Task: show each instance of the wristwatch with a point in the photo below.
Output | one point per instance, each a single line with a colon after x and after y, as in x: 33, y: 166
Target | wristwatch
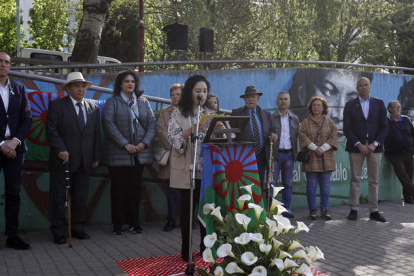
x: 376, y: 143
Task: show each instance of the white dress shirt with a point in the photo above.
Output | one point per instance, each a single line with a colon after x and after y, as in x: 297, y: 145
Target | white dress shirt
x: 285, y: 143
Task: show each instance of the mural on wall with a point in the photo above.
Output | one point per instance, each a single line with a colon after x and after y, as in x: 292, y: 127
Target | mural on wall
x: 337, y: 86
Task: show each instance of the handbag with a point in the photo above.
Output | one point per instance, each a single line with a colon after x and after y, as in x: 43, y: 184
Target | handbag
x: 161, y: 155
x: 304, y: 155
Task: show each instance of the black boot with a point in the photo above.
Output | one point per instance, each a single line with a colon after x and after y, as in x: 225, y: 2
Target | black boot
x: 170, y: 225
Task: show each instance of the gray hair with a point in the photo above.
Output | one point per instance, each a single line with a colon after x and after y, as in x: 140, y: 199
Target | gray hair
x: 390, y: 104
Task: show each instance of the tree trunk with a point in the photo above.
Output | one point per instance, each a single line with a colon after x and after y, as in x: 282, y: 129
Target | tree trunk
x: 90, y: 30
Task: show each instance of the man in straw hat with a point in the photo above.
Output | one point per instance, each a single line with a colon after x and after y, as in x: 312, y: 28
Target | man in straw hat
x: 73, y: 131
x: 15, y: 123
x: 257, y: 131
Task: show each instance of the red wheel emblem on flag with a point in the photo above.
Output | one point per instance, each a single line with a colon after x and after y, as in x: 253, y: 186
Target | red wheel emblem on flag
x: 39, y: 104
x: 234, y: 167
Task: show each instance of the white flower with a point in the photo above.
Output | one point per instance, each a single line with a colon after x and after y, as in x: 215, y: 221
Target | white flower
x: 276, y: 244
x: 304, y: 270
x: 284, y: 254
x: 283, y: 222
x: 301, y: 254
x: 248, y: 188
x: 233, y: 268
x: 242, y: 200
x: 301, y: 226
x: 275, y: 203
x: 277, y: 262
x: 257, y: 210
x: 208, y: 256
x: 294, y: 245
x: 290, y: 263
x: 266, y: 248
x: 257, y: 237
x: 314, y: 253
x: 259, y: 271
x: 217, y: 214
x: 276, y: 190
x: 281, y: 209
x: 218, y: 271
x: 272, y: 227
x: 248, y: 258
x: 225, y: 250
x: 207, y: 208
x: 243, y: 238
x: 243, y: 220
x: 210, y: 240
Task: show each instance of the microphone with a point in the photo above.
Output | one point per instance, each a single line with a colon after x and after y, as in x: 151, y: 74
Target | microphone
x: 199, y: 96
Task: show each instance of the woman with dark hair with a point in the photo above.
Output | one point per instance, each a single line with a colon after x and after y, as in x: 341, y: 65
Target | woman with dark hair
x: 181, y: 124
x: 318, y: 134
x: 213, y: 102
x: 129, y: 127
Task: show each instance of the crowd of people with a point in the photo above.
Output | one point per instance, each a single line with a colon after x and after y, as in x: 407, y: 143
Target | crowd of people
x: 129, y: 127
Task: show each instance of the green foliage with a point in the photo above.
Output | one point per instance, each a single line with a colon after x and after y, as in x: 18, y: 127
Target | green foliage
x: 49, y: 24
x: 8, y: 32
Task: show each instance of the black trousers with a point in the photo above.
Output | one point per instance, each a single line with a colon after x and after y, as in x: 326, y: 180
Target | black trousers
x: 79, y: 187
x: 261, y: 165
x: 126, y: 194
x: 403, y: 167
x: 13, y: 171
x: 185, y: 218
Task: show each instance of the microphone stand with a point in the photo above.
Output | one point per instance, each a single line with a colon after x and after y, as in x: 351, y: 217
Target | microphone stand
x: 191, y: 267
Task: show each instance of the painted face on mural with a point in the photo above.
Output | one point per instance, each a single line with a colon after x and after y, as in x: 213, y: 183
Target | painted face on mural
x: 337, y: 87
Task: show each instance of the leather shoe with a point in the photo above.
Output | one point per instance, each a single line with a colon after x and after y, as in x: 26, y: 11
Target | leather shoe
x: 408, y: 198
x: 377, y: 216
x: 170, y: 225
x: 353, y: 215
x: 81, y: 235
x: 17, y: 243
x: 288, y: 215
x: 59, y: 239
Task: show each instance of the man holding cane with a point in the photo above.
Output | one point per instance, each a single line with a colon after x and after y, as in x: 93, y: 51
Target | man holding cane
x: 73, y: 131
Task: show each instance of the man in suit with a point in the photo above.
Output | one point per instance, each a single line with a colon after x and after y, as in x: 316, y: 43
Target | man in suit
x: 164, y: 171
x: 15, y: 123
x: 365, y: 127
x: 73, y: 131
x: 258, y: 130
x: 286, y: 126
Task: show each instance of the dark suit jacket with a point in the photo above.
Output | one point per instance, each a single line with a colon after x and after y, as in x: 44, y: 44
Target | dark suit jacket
x: 64, y: 134
x: 247, y: 134
x: 356, y: 126
x: 18, y: 116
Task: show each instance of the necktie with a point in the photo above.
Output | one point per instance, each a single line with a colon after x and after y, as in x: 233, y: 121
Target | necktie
x: 256, y: 134
x: 80, y: 116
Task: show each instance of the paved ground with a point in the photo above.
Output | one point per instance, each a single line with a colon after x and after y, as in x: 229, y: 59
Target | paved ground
x: 363, y: 247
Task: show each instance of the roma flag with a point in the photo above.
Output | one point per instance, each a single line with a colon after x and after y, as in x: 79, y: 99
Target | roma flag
x: 226, y: 168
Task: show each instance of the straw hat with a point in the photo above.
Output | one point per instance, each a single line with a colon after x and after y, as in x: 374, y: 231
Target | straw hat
x: 75, y: 77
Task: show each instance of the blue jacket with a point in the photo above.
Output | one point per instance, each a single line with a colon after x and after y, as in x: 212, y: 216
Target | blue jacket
x: 356, y: 127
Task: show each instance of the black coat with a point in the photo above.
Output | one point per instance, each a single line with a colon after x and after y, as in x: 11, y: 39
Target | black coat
x: 18, y: 116
x: 64, y: 134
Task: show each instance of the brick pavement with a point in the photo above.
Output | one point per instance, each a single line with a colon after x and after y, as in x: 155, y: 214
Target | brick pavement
x: 363, y: 247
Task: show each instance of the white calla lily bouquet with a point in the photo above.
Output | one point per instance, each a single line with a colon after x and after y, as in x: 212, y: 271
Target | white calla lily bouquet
x: 264, y: 245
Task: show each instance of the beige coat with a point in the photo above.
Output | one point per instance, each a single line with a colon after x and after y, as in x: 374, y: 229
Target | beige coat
x: 180, y: 163
x: 329, y: 134
x: 162, y: 131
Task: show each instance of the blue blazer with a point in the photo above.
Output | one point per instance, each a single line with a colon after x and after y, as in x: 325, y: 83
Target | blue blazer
x: 18, y: 116
x: 356, y: 127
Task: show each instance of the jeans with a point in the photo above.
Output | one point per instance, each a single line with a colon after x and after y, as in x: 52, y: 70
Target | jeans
x: 285, y: 164
x: 324, y: 179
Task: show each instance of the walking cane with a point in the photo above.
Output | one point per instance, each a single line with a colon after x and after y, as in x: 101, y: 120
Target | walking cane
x: 67, y: 203
x: 270, y: 175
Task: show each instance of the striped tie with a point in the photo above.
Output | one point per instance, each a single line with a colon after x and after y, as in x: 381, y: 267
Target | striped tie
x: 256, y: 134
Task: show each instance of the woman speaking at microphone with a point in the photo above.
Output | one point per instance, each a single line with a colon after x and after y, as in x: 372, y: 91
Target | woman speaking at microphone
x: 182, y: 123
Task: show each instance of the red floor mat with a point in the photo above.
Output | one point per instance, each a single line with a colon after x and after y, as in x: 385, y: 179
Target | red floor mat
x: 166, y: 265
